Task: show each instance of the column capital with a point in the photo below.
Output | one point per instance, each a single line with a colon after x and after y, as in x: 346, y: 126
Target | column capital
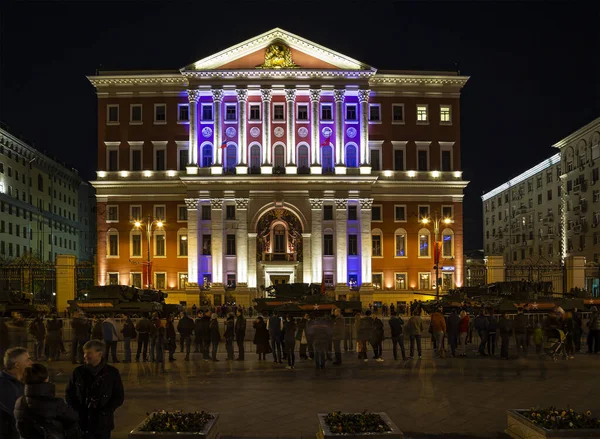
x: 306, y: 235
x: 193, y: 95
x: 316, y: 203
x: 366, y: 203
x: 314, y: 94
x: 216, y: 203
x: 363, y: 95
x: 290, y: 94
x: 341, y: 203
x: 217, y: 94
x: 339, y: 94
x: 266, y: 94
x: 192, y: 203
x: 242, y: 203
x: 242, y: 94
x: 252, y: 235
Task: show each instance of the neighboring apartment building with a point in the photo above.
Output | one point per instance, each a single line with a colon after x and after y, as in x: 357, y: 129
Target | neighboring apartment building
x: 38, y: 203
x: 87, y: 219
x: 274, y: 161
x: 522, y: 217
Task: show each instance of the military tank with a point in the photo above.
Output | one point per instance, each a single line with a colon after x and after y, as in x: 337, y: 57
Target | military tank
x: 298, y: 299
x: 110, y: 300
x: 12, y: 301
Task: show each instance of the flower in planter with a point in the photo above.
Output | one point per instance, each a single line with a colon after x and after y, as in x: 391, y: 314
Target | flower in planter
x: 554, y: 419
x: 348, y: 423
x: 177, y: 421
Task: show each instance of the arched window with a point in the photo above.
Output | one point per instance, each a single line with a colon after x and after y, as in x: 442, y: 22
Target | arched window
x: 207, y: 158
x: 182, y: 243
x: 327, y: 158
x: 279, y: 238
x: 40, y: 183
x: 112, y: 243
x: 231, y: 157
x: 303, y: 156
x: 255, y: 156
x: 279, y: 154
x: 448, y: 243
x: 376, y: 243
x: 135, y: 243
x: 400, y: 243
x: 351, y: 156
x: 424, y: 237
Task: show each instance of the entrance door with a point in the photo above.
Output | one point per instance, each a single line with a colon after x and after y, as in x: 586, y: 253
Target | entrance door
x: 279, y: 279
x: 447, y: 281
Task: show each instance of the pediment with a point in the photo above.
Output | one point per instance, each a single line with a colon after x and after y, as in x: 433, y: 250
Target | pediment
x: 277, y: 49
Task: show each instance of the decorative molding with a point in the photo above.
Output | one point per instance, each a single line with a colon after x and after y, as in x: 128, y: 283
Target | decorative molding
x: 242, y: 94
x: 100, y: 81
x: 327, y: 131
x: 192, y: 203
x: 339, y: 94
x: 242, y: 203
x: 316, y: 203
x: 290, y: 94
x: 363, y: 95
x: 341, y: 203
x: 366, y: 203
x: 266, y: 94
x: 303, y: 132
x: 207, y: 132
x: 390, y: 79
x: 230, y: 132
x: 255, y: 132
x: 279, y: 132
x: 351, y: 132
x: 216, y: 203
x: 217, y: 94
x: 294, y: 74
x: 314, y: 94
x: 193, y: 95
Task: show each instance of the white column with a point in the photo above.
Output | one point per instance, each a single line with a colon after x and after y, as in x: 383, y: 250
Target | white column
x: 316, y: 207
x: 341, y: 241
x: 216, y: 216
x: 217, y: 150
x: 290, y: 99
x: 363, y: 98
x: 340, y: 161
x: 266, y: 94
x: 365, y: 239
x: 252, y: 260
x: 315, y: 96
x: 241, y: 240
x: 193, y: 97
x: 306, y: 258
x: 192, y: 239
x: 242, y: 97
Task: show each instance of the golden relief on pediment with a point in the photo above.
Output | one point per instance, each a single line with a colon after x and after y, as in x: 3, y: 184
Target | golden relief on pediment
x: 278, y: 56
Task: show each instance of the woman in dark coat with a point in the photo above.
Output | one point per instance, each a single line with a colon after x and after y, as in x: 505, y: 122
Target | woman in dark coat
x: 229, y: 327
x: 261, y: 338
x: 39, y: 413
x: 97, y: 332
x: 215, y: 335
x: 289, y: 328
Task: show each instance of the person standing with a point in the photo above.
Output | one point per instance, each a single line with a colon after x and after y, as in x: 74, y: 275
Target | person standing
x: 194, y: 309
x: 171, y: 336
x: 289, y: 329
x: 453, y: 328
x: 153, y: 336
x: 53, y: 338
x: 229, y: 335
x: 321, y: 331
x: 520, y: 327
x: 339, y: 331
x: 215, y: 336
x: 39, y: 413
x: 396, y: 324
x: 301, y: 337
x: 197, y: 331
x: 463, y: 332
x: 159, y: 346
x: 143, y: 327
x: 275, y: 327
x: 376, y: 339
x: 240, y: 333
x: 577, y: 329
x: 493, y: 327
x: 95, y: 391
x: 111, y: 337
x: 185, y: 327
x: 414, y: 328
x: 38, y: 331
x: 438, y: 329
x: 16, y: 360
x: 481, y: 326
x: 261, y: 338
x: 363, y: 334
x: 129, y: 334
x: 81, y: 333
x: 505, y: 328
x: 205, y: 335
x: 97, y: 331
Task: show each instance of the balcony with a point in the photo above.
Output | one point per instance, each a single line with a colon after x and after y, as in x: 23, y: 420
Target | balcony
x: 278, y: 257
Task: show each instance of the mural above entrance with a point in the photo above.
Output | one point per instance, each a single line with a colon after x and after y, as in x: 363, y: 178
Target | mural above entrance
x: 287, y: 244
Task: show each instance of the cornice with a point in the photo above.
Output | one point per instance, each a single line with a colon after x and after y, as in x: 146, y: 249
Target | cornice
x: 146, y: 80
x: 418, y: 79
x: 296, y: 74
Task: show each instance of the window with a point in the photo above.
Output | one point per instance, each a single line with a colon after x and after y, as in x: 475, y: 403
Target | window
x: 376, y: 250
x: 112, y: 114
x: 278, y: 112
x: 375, y: 159
x: 113, y: 243
x: 401, y: 283
x: 136, y: 244
x: 398, y: 113
x: 136, y: 212
x: 160, y: 281
x: 424, y: 281
x: 327, y: 213
x: 374, y: 113
x: 448, y: 212
x: 160, y: 159
x: 423, y: 212
x: 422, y: 160
x: 422, y: 114
x: 400, y: 243
x: 376, y: 213
x: 207, y: 112
x: 352, y: 213
x: 445, y: 115
x: 279, y: 156
x: 328, y: 245
x: 399, y: 160
x: 135, y: 114
x: 159, y: 212
x: 136, y: 159
x: 207, y: 156
x: 184, y: 155
x: 230, y: 250
x: 377, y: 280
x: 550, y: 195
x: 254, y: 112
x: 206, y: 245
x: 446, y: 161
x: 113, y: 279
x: 135, y: 279
x: 113, y: 160
x: 447, y: 243
x: 183, y: 113
x: 539, y: 198
x: 160, y: 113
x: 302, y: 112
x: 400, y: 214
x: 183, y: 245
x: 159, y: 244
x: 230, y: 280
x: 182, y: 214
x: 231, y: 112
x: 112, y: 214
x: 205, y: 212
x: 183, y: 277
x: 424, y: 243
x: 326, y: 112
x: 230, y: 212
x: 352, y: 245
x: 351, y: 112
x: 351, y: 156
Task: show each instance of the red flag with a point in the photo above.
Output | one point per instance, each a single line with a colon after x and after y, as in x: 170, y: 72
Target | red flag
x: 326, y: 142
x: 224, y: 144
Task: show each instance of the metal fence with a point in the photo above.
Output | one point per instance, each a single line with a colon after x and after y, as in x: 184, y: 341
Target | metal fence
x: 37, y: 279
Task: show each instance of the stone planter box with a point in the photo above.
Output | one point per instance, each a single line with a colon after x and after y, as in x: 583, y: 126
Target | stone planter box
x: 519, y: 427
x: 210, y: 431
x: 394, y: 433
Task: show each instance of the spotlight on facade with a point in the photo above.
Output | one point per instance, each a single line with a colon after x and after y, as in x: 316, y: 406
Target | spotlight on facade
x: 435, y: 174
x: 124, y: 174
x: 148, y: 174
x: 447, y: 220
x: 425, y: 220
x: 184, y: 237
x: 137, y: 224
x: 412, y: 174
x: 159, y: 224
x: 387, y: 173
x: 101, y: 174
x: 457, y: 174
x: 171, y: 173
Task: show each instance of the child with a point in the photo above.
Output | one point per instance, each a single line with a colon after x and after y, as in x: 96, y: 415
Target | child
x: 538, y: 338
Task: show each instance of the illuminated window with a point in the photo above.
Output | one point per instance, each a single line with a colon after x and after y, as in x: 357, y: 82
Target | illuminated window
x: 160, y: 281
x: 182, y: 243
x: 112, y: 244
x: 207, y: 112
x: 135, y: 279
x: 112, y: 214
x: 376, y: 243
x: 160, y: 244
x: 113, y: 278
x: 328, y: 244
x: 422, y: 113
x: 135, y: 212
x: 374, y: 113
x: 423, y: 212
x: 230, y: 245
x: 377, y: 281
x: 447, y: 243
x: 424, y: 281
x: 424, y: 236
x: 182, y: 278
x: 400, y: 241
x: 401, y: 281
x: 352, y: 245
x: 445, y: 114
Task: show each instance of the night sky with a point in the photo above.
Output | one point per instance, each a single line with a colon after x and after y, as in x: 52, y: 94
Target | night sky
x: 534, y: 66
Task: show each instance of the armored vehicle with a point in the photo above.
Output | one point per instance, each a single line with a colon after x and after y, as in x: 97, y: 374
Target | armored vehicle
x: 15, y: 301
x: 298, y: 299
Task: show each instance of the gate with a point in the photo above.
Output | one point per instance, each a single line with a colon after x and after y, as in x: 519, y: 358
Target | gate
x: 31, y: 276
x: 553, y: 275
x: 84, y: 279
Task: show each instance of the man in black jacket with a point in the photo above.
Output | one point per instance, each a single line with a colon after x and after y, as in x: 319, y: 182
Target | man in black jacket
x: 197, y: 331
x: 11, y: 388
x: 185, y: 327
x: 520, y: 327
x: 95, y: 391
x: 397, y: 335
x: 143, y: 327
x: 339, y: 330
x: 240, y: 333
x: 204, y: 332
x: 81, y: 328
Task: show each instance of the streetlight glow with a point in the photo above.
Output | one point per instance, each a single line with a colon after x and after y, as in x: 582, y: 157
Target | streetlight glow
x: 425, y: 220
x: 137, y: 224
x: 159, y: 224
x: 447, y: 220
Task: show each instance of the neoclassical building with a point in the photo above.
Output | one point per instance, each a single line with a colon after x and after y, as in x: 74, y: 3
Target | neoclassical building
x: 279, y: 160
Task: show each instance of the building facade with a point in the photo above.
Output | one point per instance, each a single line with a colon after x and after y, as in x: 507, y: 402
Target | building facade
x: 274, y: 161
x: 38, y: 204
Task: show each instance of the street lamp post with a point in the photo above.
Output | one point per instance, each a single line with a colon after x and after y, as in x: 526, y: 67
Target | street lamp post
x: 151, y: 225
x: 436, y: 220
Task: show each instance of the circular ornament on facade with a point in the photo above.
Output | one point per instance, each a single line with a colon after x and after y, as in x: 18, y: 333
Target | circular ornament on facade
x: 303, y: 132
x: 351, y: 132
x: 207, y: 132
x: 255, y: 132
x: 278, y: 132
x: 230, y: 132
x: 327, y: 131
